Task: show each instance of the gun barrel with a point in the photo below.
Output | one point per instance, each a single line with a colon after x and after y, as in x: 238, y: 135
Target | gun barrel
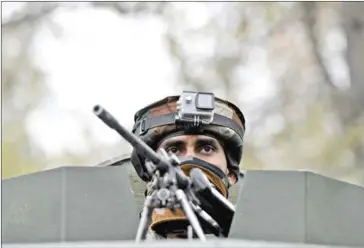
x: 141, y: 148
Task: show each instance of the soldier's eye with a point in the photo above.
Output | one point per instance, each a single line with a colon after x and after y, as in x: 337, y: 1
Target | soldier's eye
x: 172, y: 150
x: 207, y: 149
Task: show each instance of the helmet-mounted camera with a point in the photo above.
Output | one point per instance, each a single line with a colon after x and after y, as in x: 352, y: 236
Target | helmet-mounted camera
x: 195, y: 108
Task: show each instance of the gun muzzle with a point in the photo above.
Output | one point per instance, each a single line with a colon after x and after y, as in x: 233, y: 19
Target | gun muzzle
x: 136, y: 142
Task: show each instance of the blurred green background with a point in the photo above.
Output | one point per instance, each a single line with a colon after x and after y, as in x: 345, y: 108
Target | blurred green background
x: 296, y: 69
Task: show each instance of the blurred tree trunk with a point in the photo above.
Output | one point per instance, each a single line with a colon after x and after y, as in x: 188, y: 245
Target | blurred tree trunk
x: 348, y: 104
x: 353, y: 24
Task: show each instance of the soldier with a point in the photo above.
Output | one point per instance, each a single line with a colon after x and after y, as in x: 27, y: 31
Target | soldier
x: 209, y: 138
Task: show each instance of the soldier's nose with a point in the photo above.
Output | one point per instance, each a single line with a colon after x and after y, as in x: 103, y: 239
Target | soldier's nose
x: 190, y: 152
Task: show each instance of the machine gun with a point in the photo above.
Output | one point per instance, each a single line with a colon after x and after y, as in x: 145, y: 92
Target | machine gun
x: 172, y: 188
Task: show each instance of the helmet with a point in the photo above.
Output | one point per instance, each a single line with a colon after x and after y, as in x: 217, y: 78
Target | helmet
x: 191, y: 113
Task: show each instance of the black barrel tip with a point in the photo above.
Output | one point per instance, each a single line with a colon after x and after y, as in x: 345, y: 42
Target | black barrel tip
x: 97, y: 109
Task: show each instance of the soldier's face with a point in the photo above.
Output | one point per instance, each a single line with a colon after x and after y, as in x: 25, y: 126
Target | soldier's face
x: 201, y: 146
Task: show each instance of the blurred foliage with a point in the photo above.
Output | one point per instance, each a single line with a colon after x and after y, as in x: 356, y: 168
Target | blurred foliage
x: 319, y: 124
x: 22, y: 89
x: 311, y: 118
